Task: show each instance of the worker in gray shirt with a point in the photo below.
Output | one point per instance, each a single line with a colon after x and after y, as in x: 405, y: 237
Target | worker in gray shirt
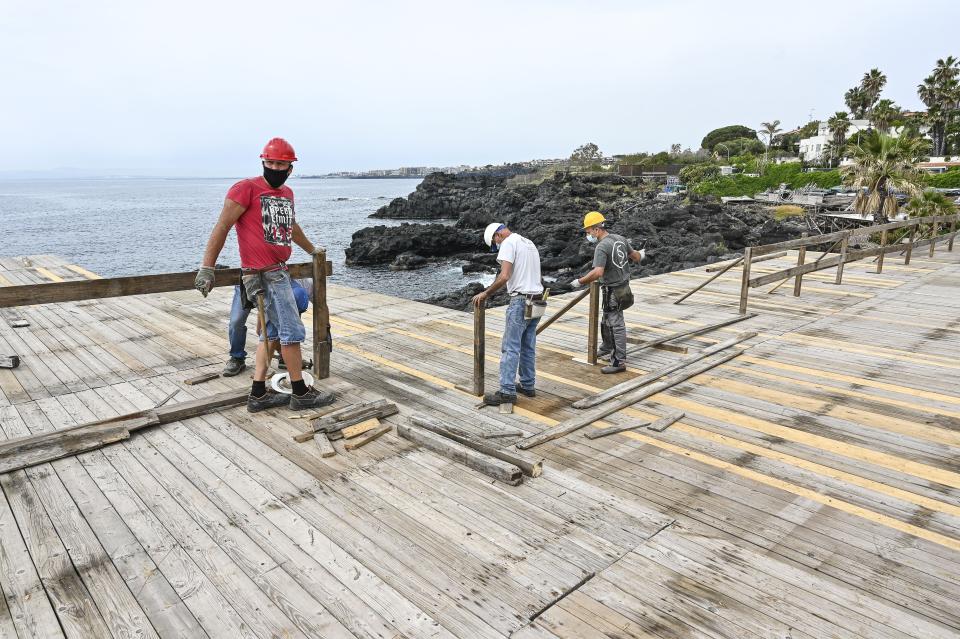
x: 611, y: 266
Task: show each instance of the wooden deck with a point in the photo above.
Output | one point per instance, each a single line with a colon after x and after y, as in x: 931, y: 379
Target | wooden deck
x: 812, y: 490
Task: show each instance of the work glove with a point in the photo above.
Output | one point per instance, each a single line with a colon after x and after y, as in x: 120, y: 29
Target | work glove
x: 643, y: 254
x: 253, y: 285
x: 204, y: 281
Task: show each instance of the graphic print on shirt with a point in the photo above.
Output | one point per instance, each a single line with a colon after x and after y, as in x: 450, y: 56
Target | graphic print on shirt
x: 277, y: 219
x: 618, y: 255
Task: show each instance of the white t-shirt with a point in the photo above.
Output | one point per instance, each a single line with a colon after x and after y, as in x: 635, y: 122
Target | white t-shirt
x: 523, y: 254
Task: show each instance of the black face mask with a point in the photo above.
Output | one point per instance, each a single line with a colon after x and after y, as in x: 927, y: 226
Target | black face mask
x: 274, y: 177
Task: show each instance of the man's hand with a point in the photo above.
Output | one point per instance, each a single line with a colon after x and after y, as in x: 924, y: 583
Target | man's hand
x: 253, y: 286
x: 479, y: 298
x: 204, y: 281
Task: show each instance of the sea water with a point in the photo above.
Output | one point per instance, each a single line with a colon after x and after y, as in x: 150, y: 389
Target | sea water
x: 137, y: 226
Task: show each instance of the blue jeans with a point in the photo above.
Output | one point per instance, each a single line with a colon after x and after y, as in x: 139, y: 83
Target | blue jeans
x: 518, y: 349
x: 281, y: 309
x: 237, y: 332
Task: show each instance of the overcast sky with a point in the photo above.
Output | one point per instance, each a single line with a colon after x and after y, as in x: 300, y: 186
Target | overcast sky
x: 187, y: 87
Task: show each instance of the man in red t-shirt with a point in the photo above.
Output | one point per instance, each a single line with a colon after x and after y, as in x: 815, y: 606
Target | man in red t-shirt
x: 261, y: 210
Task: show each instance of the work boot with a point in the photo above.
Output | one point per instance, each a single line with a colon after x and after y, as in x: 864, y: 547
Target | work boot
x: 268, y: 400
x: 234, y: 367
x: 613, y: 368
x: 601, y: 354
x: 525, y: 391
x: 313, y: 398
x: 495, y: 399
x: 282, y: 365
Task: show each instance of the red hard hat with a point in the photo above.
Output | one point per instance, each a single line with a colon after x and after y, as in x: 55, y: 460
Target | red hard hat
x: 279, y: 149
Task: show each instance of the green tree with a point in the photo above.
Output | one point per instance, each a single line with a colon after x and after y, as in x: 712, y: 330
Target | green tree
x: 838, y: 124
x: 883, y: 164
x: 857, y: 101
x: 809, y: 129
x: 726, y: 133
x: 930, y: 202
x: 697, y: 173
x: 940, y: 92
x: 872, y: 84
x: 586, y: 155
x: 883, y: 114
x: 770, y: 129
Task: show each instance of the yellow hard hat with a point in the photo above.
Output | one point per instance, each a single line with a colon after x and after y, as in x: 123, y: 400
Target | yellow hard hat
x: 593, y: 218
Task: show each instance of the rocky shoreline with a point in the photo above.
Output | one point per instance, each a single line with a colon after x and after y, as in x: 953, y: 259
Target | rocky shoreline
x: 679, y: 234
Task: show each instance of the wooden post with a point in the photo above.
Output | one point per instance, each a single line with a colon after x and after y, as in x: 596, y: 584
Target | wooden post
x: 933, y: 236
x: 953, y: 233
x: 593, y: 319
x: 913, y: 234
x: 321, y: 317
x: 797, y: 282
x: 843, y: 257
x: 745, y: 282
x: 550, y: 320
x: 479, y: 346
x: 883, y: 246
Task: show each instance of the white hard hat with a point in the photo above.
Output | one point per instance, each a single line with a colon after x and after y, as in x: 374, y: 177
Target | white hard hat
x: 492, y: 228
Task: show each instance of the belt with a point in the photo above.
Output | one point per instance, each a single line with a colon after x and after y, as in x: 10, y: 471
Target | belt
x: 527, y: 295
x: 279, y: 266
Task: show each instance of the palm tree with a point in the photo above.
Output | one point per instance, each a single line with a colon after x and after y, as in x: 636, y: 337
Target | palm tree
x: 856, y: 101
x: 930, y: 202
x: 883, y: 114
x: 872, y: 84
x: 884, y: 164
x: 838, y: 124
x: 770, y: 129
x: 940, y: 92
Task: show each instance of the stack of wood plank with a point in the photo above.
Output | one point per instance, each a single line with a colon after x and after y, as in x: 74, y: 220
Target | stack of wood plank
x: 359, y: 424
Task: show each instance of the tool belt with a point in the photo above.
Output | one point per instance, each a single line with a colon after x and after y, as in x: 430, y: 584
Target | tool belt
x: 246, y: 273
x: 279, y: 266
x: 534, y: 305
x: 617, y: 298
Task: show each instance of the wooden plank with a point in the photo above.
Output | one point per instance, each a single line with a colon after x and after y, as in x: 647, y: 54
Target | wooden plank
x: 531, y: 469
x: 31, y: 450
x: 619, y: 389
x: 612, y: 430
x: 763, y: 258
x: 593, y: 320
x: 323, y: 443
x: 813, y: 240
x: 206, y: 377
x: 542, y: 326
x: 322, y: 342
x: 576, y: 423
x: 361, y: 428
x: 479, y: 347
x: 369, y: 436
x: 120, y: 286
x: 9, y: 361
x: 711, y: 278
x: 666, y: 421
x: 333, y: 423
x: 810, y: 267
x: 491, y: 466
x: 706, y: 328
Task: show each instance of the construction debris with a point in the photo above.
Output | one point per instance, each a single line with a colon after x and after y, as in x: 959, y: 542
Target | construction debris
x: 576, y: 423
x: 206, y: 377
x: 529, y: 468
x: 505, y: 409
x: 359, y: 429
x: 20, y: 323
x: 689, y: 333
x: 323, y: 442
x: 603, y: 432
x: 366, y: 438
x: 333, y: 423
x: 9, y: 361
x: 486, y: 464
x: 666, y: 421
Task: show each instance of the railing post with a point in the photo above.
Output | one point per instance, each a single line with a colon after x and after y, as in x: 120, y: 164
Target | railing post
x: 321, y: 317
x: 797, y: 282
x: 913, y: 234
x: 745, y: 282
x: 953, y: 233
x: 844, y: 243
x: 594, y: 320
x: 883, y: 250
x: 933, y: 235
x: 479, y: 346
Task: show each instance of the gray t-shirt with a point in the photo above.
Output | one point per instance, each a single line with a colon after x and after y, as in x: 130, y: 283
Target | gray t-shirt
x: 612, y: 254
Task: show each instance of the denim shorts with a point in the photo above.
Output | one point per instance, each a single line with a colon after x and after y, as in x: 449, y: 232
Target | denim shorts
x: 281, y: 308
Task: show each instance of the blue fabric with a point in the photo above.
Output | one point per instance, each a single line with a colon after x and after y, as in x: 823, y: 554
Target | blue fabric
x: 281, y: 308
x: 300, y: 294
x: 518, y: 349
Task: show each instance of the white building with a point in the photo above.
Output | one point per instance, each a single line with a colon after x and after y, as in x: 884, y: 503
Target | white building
x: 813, y: 148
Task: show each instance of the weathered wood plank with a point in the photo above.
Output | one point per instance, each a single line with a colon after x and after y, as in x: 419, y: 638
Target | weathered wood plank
x: 366, y: 438
x: 529, y: 468
x: 491, y: 466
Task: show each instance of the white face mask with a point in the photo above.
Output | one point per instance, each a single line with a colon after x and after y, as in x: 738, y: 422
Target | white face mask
x: 591, y: 239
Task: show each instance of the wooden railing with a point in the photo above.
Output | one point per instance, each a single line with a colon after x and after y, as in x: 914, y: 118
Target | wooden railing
x: 846, y: 255
x: 78, y: 290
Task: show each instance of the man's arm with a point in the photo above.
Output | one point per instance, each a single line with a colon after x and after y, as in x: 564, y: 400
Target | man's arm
x: 635, y: 256
x: 228, y: 217
x: 595, y: 274
x: 300, y: 239
x: 506, y: 268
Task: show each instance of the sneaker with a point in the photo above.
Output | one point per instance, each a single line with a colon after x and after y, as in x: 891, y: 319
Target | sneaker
x: 532, y: 392
x: 269, y: 400
x: 313, y: 398
x: 612, y: 369
x: 495, y: 399
x: 234, y: 367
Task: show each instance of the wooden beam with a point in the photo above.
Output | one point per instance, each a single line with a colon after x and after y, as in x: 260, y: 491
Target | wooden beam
x: 883, y: 245
x: 348, y: 416
x: 716, y: 266
x: 359, y: 429
x: 710, y: 279
x: 844, y: 244
x: 9, y: 361
x: 666, y: 421
x: 689, y: 333
x: 323, y: 443
x: 368, y: 437
x: 615, y: 391
x: 745, y: 279
x: 206, y: 377
x: 490, y: 466
x: 322, y: 343
x: 73, y: 291
x: 543, y: 325
x: 530, y: 469
x: 612, y: 430
x: 789, y: 245
x: 816, y: 265
x: 479, y: 347
x: 576, y: 423
x: 798, y: 282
